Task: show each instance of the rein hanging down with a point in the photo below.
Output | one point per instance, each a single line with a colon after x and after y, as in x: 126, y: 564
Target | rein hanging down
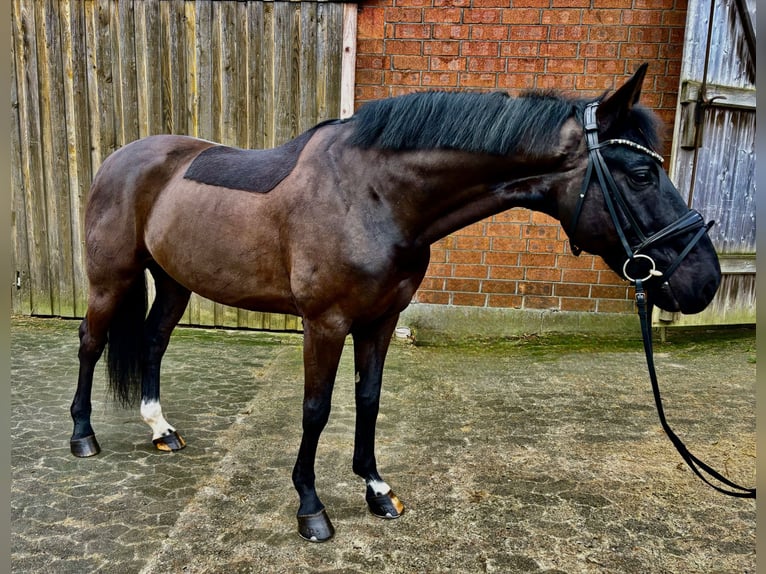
x: 691, y: 222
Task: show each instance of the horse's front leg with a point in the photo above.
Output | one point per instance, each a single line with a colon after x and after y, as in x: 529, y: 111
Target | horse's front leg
x: 370, y: 348
x: 322, y: 348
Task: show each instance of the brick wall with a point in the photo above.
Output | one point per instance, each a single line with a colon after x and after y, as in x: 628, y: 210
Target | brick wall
x: 520, y: 259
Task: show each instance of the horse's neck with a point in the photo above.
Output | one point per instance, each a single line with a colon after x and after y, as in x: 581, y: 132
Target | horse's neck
x: 442, y: 192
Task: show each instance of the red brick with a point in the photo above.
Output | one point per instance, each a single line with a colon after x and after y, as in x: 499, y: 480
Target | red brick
x: 571, y: 4
x: 534, y: 288
x: 412, y: 31
x: 609, y: 292
x: 402, y: 78
x: 482, y: 16
x: 579, y: 276
x: 616, y: 67
x: 463, y: 285
x: 649, y: 35
x: 526, y: 65
x: 535, y: 259
x: 506, y: 272
x: 674, y: 18
x: 449, y: 3
x: 412, y: 3
x: 566, y: 66
x: 443, y: 15
x: 441, y: 48
x: 486, y: 64
x: 529, y: 33
x: 480, y: 49
x: 369, y: 46
x: 532, y: 3
x: 543, y: 274
x: 594, y: 50
x: 559, y: 49
x: 502, y: 287
x: 454, y: 64
x: 642, y: 17
x: 521, y: 49
x: 640, y: 51
x: 517, y: 214
x: 516, y: 81
x: 500, y: 229
x: 370, y: 22
x: 472, y: 242
x: 368, y: 93
x: 491, y: 3
x: 568, y: 17
x: 541, y: 302
x: 562, y: 82
x: 488, y: 32
x: 608, y: 34
x: 505, y: 301
x: 432, y: 284
x: 404, y: 47
x: 439, y: 269
x: 470, y: 271
x: 569, y: 261
x: 612, y: 4
x: 465, y: 257
x: 568, y: 33
x: 433, y: 297
x: 469, y: 299
x: 438, y: 255
x: 477, y: 80
x: 517, y: 16
x: 498, y: 259
x: 369, y: 77
x: 404, y: 15
x: 409, y: 62
x: 450, y: 32
x: 602, y: 17
x: 571, y: 290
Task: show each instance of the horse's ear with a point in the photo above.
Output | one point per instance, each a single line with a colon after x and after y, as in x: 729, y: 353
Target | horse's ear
x: 616, y: 107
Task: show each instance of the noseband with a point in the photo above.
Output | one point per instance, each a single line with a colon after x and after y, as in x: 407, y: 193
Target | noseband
x: 691, y: 222
x: 617, y: 205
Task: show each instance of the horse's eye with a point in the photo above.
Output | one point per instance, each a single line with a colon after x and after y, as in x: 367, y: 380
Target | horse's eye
x: 640, y: 178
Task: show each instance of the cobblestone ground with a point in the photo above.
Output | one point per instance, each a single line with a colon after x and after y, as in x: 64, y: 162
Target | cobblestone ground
x: 533, y: 455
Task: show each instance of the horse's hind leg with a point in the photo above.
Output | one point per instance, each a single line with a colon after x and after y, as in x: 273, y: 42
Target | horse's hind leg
x: 370, y: 349
x: 103, y: 303
x: 168, y: 308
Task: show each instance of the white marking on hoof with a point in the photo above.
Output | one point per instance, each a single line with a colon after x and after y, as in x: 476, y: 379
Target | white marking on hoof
x: 151, y: 411
x: 379, y: 487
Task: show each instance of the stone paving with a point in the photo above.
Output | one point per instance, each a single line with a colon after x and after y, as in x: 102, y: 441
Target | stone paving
x: 528, y: 455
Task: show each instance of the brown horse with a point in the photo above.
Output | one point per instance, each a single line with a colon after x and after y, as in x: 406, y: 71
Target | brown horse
x: 336, y: 227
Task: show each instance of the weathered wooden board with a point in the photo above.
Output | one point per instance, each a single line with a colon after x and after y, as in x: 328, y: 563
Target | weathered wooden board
x: 93, y: 75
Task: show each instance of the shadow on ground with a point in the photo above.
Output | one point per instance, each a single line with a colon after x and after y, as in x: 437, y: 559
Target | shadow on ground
x: 527, y: 455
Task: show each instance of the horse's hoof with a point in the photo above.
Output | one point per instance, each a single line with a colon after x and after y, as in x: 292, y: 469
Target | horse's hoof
x: 85, y: 446
x: 315, y: 527
x: 170, y: 442
x: 385, y: 505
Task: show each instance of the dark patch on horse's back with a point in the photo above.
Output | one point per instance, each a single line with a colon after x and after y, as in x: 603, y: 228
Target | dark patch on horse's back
x: 256, y: 170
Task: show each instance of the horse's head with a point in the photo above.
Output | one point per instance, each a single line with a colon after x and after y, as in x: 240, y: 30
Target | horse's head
x: 629, y: 212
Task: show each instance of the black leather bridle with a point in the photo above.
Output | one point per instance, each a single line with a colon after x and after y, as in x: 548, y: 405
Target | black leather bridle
x: 691, y: 222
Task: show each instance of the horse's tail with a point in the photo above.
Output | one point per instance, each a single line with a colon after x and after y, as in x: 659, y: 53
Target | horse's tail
x: 125, y: 341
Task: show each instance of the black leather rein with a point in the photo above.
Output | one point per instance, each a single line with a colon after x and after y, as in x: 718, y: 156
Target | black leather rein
x: 691, y: 222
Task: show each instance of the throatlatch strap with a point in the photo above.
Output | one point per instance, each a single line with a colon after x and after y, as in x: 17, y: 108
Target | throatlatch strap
x: 697, y: 466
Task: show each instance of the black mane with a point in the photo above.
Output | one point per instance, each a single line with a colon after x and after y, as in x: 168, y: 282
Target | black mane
x: 493, y: 123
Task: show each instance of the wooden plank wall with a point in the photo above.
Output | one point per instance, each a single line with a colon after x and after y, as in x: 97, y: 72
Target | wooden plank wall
x: 93, y: 75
